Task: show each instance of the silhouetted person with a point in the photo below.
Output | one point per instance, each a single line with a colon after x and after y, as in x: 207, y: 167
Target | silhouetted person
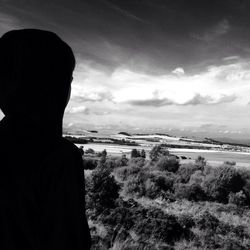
x: 41, y: 183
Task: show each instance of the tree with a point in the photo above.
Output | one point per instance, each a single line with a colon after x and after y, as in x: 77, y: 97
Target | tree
x: 192, y: 192
x: 221, y: 181
x: 89, y: 151
x: 238, y: 199
x: 168, y: 163
x: 200, y: 162
x: 143, y: 153
x: 103, y: 157
x: 135, y: 153
x: 122, y: 161
x: 102, y: 190
x: 157, y: 151
x: 104, y: 153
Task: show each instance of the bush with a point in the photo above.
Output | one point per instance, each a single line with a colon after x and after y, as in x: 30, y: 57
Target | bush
x: 143, y: 153
x: 125, y: 172
x: 238, y: 199
x: 156, y: 225
x: 135, y: 153
x: 136, y: 162
x: 110, y: 164
x: 157, y: 151
x: 197, y: 177
x: 145, y: 183
x: 185, y: 171
x: 207, y: 221
x: 156, y: 186
x: 151, y: 225
x: 135, y: 186
x: 186, y: 220
x: 200, y: 163
x: 89, y: 151
x: 192, y: 192
x: 164, y: 182
x: 89, y: 163
x: 221, y: 181
x: 102, y: 190
x: 122, y: 161
x: 230, y: 163
x: 168, y: 163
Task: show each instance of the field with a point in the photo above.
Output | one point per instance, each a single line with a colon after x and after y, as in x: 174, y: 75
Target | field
x: 213, y: 157
x: 146, y: 198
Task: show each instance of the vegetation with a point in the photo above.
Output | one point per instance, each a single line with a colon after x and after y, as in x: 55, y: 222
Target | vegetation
x: 158, y: 203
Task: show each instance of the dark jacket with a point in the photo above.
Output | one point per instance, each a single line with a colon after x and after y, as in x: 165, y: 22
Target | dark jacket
x: 42, y: 203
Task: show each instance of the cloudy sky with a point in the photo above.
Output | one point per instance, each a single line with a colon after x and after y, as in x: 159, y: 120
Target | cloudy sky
x: 150, y: 64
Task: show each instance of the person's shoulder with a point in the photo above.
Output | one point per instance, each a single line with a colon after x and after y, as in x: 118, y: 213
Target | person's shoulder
x: 64, y: 152
x: 68, y: 148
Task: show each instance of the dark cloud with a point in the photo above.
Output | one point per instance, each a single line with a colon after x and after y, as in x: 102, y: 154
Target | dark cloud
x: 153, y: 36
x: 154, y: 102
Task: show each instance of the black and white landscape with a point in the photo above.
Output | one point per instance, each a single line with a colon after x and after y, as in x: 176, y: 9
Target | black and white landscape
x: 160, y: 109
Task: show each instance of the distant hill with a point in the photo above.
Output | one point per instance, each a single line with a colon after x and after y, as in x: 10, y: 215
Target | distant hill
x: 92, y: 131
x: 237, y: 142
x: 124, y: 133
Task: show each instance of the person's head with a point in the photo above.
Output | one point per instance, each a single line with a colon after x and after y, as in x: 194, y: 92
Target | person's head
x: 36, y: 69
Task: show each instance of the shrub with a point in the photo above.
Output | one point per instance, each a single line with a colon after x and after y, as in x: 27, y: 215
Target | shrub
x: 186, y: 220
x: 221, y: 181
x: 192, y: 192
x: 110, y: 164
x: 102, y: 190
x: 90, y: 163
x: 230, y: 163
x: 157, y: 151
x: 246, y: 190
x: 144, y: 183
x: 150, y: 224
x: 136, y: 162
x: 207, y: 221
x: 164, y: 182
x: 122, y: 161
x: 135, y: 186
x: 159, y: 226
x: 135, y: 153
x: 125, y: 172
x: 143, y: 153
x: 238, y: 199
x: 89, y: 151
x: 197, y: 177
x: 168, y: 163
x: 156, y: 186
x: 200, y: 163
x: 185, y: 171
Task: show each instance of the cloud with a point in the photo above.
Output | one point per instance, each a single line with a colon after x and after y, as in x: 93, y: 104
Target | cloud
x: 178, y: 71
x: 216, y: 31
x: 86, y: 111
x: 102, y: 112
x: 231, y: 58
x: 79, y: 109
x: 7, y: 23
x: 154, y: 102
x: 198, y: 99
x: 124, y: 12
x: 93, y: 97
